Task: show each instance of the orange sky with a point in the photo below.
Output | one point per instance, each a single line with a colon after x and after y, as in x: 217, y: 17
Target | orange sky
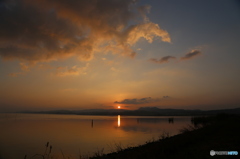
x: 94, y: 54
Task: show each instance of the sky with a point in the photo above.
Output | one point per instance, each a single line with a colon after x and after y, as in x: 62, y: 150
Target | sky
x: 101, y: 54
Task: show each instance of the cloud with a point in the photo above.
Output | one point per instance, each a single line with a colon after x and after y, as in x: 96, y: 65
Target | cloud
x: 43, y: 30
x: 141, y: 100
x: 15, y: 74
x: 114, y: 69
x: 163, y: 59
x: 44, y: 66
x: 24, y: 67
x: 191, y: 55
x: 143, y: 10
x: 73, y: 71
x: 166, y: 59
x: 165, y: 97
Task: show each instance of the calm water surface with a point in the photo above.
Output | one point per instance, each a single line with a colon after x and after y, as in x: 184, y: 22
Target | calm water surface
x: 27, y: 134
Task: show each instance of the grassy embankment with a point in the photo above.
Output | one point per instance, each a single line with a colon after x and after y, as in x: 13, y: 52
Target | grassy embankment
x: 219, y: 133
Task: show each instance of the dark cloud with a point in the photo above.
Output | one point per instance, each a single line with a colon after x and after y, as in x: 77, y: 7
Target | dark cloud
x: 43, y: 30
x: 191, y: 54
x: 163, y: 59
x: 165, y: 97
x: 166, y: 59
x: 141, y: 100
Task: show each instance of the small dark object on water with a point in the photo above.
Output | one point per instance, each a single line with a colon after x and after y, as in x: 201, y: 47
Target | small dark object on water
x: 171, y: 120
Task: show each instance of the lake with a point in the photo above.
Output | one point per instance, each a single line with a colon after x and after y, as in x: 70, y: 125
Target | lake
x: 71, y: 135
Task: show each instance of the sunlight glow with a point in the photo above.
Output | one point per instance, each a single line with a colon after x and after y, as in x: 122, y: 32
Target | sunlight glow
x: 119, y: 107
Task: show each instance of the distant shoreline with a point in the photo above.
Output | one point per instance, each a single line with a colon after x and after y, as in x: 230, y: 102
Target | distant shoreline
x: 144, y: 111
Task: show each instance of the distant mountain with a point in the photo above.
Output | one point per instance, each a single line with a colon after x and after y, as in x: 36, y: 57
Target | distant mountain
x: 143, y: 111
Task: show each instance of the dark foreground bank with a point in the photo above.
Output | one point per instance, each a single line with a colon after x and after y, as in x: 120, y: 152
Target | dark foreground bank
x: 218, y: 133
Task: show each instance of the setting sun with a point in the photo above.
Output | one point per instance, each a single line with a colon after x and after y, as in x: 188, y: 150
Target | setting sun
x: 119, y: 107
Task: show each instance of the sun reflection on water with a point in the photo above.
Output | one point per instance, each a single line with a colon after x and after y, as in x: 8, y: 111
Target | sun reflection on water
x: 119, y: 121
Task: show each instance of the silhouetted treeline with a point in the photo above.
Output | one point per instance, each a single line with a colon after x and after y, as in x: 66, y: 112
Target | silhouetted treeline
x: 143, y: 111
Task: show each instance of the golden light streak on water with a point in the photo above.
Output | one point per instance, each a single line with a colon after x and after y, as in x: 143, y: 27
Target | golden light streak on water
x: 119, y: 121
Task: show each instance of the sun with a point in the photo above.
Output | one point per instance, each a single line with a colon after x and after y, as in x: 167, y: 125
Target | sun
x: 119, y: 107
